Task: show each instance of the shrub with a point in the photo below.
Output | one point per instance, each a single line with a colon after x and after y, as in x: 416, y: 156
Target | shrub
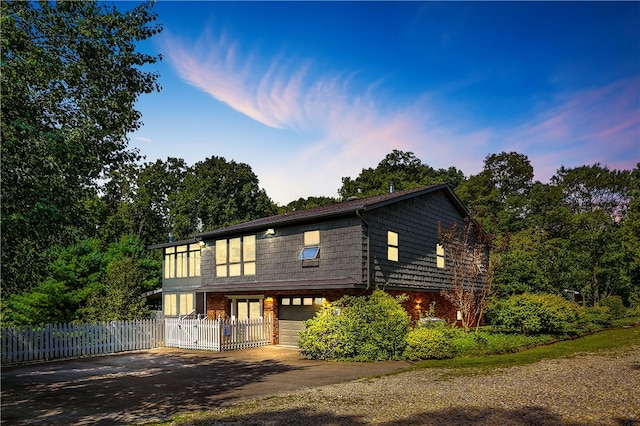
x: 428, y: 343
x: 615, y: 305
x: 534, y: 314
x: 594, y: 318
x: 357, y: 328
x: 326, y: 336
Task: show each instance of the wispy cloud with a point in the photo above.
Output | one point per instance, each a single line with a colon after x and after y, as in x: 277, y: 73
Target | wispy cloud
x: 600, y: 124
x: 143, y: 139
x: 347, y: 124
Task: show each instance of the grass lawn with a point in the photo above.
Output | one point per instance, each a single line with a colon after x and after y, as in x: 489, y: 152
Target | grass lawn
x: 609, y: 339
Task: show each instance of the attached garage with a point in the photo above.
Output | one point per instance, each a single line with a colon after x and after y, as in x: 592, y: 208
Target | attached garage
x: 292, y: 311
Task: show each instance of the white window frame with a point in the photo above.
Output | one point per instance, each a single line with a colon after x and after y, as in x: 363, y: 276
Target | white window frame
x: 181, y: 261
x: 393, y: 246
x: 311, y: 245
x: 236, y: 256
x: 246, y: 298
x: 440, y: 256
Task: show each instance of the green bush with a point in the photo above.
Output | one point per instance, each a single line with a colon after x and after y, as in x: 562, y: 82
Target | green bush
x: 428, y: 343
x: 533, y: 314
x: 592, y: 319
x: 615, y: 305
x: 357, y: 328
x: 491, y: 342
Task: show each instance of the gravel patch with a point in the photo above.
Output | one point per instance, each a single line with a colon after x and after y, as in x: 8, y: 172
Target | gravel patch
x: 585, y: 389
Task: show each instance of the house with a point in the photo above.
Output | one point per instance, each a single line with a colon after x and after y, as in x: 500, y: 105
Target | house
x: 288, y: 265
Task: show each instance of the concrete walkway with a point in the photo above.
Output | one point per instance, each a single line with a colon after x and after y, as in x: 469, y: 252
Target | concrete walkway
x: 154, y: 385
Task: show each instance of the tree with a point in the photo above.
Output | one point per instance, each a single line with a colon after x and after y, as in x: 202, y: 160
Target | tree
x: 89, y: 282
x: 598, y: 200
x: 630, y: 274
x: 591, y: 188
x: 499, y: 193
x: 75, y: 273
x: 523, y: 263
x: 307, y: 203
x: 121, y: 297
x: 404, y: 169
x: 143, y: 200
x: 468, y: 269
x: 70, y: 78
x: 218, y: 193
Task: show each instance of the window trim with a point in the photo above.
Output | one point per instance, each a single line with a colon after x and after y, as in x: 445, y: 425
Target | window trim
x: 393, y: 246
x: 182, y: 261
x: 243, y: 262
x: 174, y: 301
x: 310, y: 245
x: 246, y: 298
x: 309, y: 253
x: 440, y: 256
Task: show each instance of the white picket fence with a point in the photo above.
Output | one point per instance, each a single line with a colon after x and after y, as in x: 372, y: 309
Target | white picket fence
x: 52, y: 341
x: 218, y: 335
x: 22, y: 344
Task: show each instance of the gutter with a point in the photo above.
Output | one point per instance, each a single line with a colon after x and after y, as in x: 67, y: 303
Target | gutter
x: 368, y: 250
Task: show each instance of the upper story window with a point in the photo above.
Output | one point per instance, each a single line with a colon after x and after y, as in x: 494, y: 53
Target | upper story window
x: 439, y: 256
x: 311, y: 242
x: 392, y: 246
x: 236, y: 256
x: 182, y: 261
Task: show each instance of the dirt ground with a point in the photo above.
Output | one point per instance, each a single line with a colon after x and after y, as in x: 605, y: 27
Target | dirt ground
x: 157, y: 384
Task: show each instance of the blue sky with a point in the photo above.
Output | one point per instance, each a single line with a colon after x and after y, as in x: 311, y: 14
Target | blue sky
x: 309, y: 92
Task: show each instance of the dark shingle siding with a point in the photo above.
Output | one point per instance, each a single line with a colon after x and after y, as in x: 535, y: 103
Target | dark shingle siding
x: 416, y: 222
x: 278, y: 256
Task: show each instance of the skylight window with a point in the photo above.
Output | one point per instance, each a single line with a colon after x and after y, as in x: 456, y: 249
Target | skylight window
x: 310, y: 253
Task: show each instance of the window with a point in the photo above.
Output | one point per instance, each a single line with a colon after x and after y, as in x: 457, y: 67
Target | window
x: 392, y: 246
x: 170, y: 304
x: 311, y: 242
x: 169, y: 262
x: 310, y: 253
x: 176, y: 304
x: 311, y: 238
x: 182, y: 261
x: 250, y: 307
x: 439, y: 256
x: 302, y: 301
x: 186, y: 303
x: 249, y: 251
x: 236, y: 256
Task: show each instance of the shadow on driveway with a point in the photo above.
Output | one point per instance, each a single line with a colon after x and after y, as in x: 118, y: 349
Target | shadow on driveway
x: 154, y: 385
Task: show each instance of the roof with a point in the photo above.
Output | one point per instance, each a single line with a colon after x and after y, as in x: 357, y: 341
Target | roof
x: 313, y: 284
x: 172, y: 243
x: 341, y: 209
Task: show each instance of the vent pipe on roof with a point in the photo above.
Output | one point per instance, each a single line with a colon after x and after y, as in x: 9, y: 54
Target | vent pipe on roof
x: 391, y: 187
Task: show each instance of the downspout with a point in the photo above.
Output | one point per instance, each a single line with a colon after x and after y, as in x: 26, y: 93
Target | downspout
x: 368, y: 250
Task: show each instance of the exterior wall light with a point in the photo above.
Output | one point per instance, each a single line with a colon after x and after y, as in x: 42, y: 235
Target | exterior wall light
x: 270, y: 231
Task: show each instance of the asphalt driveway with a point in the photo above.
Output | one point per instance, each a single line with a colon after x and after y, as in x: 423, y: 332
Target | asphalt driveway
x: 154, y: 385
